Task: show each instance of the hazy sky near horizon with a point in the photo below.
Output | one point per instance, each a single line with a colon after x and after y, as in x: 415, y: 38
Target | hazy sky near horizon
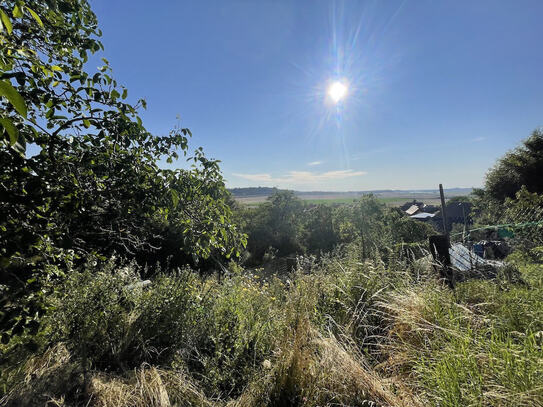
x: 436, y: 90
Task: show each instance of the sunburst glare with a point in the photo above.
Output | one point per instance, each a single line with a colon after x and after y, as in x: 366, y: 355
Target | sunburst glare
x: 337, y: 91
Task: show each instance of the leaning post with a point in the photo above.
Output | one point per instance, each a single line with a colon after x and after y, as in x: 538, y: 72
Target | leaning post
x: 439, y: 247
x: 443, y: 211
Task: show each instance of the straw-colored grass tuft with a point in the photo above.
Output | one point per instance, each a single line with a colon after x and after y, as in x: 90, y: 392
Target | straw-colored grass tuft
x: 146, y: 387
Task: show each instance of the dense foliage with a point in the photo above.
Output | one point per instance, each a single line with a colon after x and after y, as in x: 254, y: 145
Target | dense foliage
x: 520, y: 167
x: 89, y: 181
x: 511, y: 202
x: 285, y: 226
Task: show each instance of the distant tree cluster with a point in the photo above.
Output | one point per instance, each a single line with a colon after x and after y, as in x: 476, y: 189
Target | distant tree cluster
x: 285, y: 224
x: 252, y: 191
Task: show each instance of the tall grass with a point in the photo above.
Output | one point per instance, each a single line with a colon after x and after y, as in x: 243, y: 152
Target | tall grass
x: 344, y: 331
x: 477, y: 346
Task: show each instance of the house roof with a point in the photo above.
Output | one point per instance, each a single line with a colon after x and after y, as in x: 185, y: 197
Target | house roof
x: 456, y: 210
x: 412, y: 210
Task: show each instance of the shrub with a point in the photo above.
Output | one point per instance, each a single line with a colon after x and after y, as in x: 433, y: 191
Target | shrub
x: 217, y: 332
x: 107, y: 316
x: 240, y: 330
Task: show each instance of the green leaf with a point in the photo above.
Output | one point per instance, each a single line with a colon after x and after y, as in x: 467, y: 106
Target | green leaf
x: 6, y: 21
x: 17, y: 11
x: 14, y: 97
x: 175, y: 197
x: 35, y: 16
x: 10, y: 128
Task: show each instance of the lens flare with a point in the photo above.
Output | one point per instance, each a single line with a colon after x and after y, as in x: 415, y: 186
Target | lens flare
x: 337, y: 91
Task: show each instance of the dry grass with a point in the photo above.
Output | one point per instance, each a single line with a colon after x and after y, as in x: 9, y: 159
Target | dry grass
x: 455, y: 351
x: 147, y: 386
x: 47, y: 379
x: 55, y: 379
x: 318, y: 370
x: 341, y: 373
x: 311, y: 370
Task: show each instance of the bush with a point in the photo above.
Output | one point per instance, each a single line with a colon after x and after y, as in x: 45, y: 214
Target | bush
x: 239, y: 332
x: 217, y: 332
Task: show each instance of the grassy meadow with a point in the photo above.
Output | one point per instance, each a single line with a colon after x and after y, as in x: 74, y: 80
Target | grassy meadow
x: 331, y: 199
x: 341, y: 331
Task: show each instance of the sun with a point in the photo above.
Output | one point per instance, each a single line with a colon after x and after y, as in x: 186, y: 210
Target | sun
x: 337, y: 91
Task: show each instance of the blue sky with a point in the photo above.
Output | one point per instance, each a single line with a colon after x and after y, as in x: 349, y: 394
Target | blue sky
x: 437, y: 90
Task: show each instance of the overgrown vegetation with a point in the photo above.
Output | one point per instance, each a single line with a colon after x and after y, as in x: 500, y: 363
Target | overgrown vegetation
x: 340, y: 331
x: 286, y: 226
x: 95, y: 187
x: 124, y: 284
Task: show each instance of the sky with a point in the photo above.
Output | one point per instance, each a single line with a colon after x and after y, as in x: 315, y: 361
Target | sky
x: 436, y: 91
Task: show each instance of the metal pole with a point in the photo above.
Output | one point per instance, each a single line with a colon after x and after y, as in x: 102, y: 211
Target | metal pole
x: 443, y: 211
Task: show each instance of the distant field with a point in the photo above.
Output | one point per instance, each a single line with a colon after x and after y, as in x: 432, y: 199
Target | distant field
x: 331, y: 199
x: 391, y: 201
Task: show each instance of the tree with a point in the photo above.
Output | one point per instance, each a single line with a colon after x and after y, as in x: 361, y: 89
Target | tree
x: 318, y: 229
x: 96, y: 183
x: 526, y: 212
x: 522, y: 166
x: 95, y: 186
x: 277, y: 223
x: 407, y: 230
x: 368, y: 218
